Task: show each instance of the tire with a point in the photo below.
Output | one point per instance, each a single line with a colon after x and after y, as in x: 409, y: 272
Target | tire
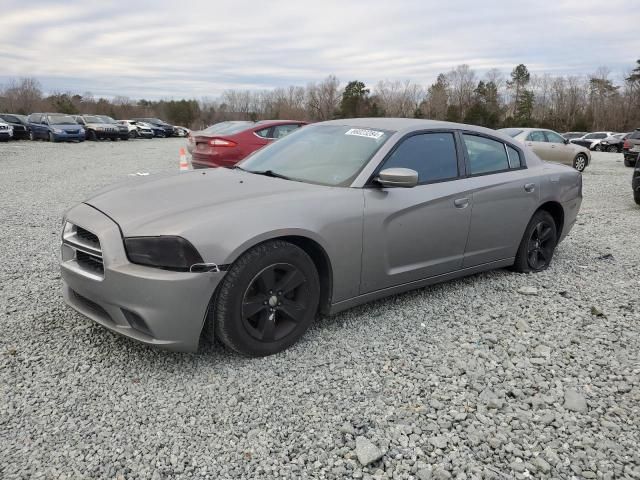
x: 133, y: 134
x: 32, y: 137
x: 91, y: 135
x: 264, y: 325
x: 598, y: 148
x: 612, y: 149
x: 629, y: 163
x: 580, y: 162
x: 51, y: 137
x: 636, y: 196
x: 538, y: 244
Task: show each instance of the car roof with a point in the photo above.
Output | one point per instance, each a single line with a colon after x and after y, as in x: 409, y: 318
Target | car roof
x: 404, y: 125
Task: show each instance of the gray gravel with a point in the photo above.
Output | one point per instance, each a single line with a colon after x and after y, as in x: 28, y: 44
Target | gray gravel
x: 495, y: 376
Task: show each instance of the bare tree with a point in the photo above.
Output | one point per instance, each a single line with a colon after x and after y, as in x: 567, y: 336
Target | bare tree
x: 323, y: 99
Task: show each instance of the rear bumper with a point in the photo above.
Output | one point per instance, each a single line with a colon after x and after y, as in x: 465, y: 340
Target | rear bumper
x: 154, y: 306
x: 209, y: 160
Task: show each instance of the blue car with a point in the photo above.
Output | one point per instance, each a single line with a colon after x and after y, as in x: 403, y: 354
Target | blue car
x: 55, y: 127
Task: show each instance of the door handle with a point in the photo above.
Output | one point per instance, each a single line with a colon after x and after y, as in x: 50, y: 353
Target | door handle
x: 461, y: 202
x: 530, y: 187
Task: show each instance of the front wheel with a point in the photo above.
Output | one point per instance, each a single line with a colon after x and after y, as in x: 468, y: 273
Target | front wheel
x: 580, y: 162
x: 538, y: 244
x: 267, y: 300
x: 629, y: 163
x: 636, y: 196
x: 32, y: 137
x: 612, y: 149
x: 52, y: 138
x: 133, y: 134
x: 598, y: 148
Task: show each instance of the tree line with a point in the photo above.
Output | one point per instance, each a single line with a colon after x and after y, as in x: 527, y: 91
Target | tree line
x: 494, y: 100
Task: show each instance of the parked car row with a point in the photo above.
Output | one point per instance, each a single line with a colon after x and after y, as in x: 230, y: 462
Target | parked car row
x: 59, y: 127
x: 598, y: 141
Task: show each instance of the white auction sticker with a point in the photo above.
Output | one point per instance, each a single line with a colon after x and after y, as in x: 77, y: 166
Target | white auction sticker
x: 361, y: 132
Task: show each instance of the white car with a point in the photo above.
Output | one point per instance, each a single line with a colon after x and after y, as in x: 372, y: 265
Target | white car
x: 592, y: 140
x: 137, y: 129
x: 6, y: 132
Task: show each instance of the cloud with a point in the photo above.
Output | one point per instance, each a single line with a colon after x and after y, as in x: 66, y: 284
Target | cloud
x: 193, y: 49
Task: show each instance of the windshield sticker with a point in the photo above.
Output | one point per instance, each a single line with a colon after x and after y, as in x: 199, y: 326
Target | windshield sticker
x: 361, y: 132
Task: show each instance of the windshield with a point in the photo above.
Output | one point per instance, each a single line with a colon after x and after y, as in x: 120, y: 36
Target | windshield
x: 61, y: 120
x: 105, y: 119
x: 512, y: 132
x: 10, y: 118
x: 91, y: 119
x: 323, y: 154
x: 227, y: 128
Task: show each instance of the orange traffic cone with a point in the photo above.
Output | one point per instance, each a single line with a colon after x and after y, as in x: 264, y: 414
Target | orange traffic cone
x: 184, y: 164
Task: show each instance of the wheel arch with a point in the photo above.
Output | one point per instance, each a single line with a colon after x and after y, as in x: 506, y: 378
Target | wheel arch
x: 557, y: 212
x: 312, y: 247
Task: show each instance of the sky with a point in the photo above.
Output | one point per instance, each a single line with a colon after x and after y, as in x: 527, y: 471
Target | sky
x: 198, y: 49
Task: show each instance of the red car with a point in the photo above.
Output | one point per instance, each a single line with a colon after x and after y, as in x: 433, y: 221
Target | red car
x: 225, y: 144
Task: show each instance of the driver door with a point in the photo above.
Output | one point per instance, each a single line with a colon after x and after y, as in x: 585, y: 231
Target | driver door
x: 420, y: 232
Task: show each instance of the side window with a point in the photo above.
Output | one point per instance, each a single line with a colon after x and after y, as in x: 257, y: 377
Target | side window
x: 264, y: 133
x: 485, y: 155
x: 284, y: 130
x: 514, y: 157
x: 432, y: 155
x: 553, y: 137
x: 536, y: 136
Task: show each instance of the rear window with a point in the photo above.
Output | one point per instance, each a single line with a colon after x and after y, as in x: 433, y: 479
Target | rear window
x: 635, y: 135
x: 512, y: 132
x: 228, y: 128
x: 11, y: 119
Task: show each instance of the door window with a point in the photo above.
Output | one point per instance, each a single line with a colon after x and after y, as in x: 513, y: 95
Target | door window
x: 536, y: 136
x: 553, y: 137
x: 432, y: 155
x: 485, y: 155
x: 264, y: 133
x: 514, y: 157
x: 284, y: 130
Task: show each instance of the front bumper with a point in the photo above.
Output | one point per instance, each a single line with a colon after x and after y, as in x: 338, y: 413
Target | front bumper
x: 153, y: 306
x: 65, y: 137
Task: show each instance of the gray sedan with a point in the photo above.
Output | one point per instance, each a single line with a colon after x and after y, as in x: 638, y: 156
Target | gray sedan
x: 334, y: 215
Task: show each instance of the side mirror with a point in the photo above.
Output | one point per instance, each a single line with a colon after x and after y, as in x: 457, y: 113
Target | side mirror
x: 398, y: 177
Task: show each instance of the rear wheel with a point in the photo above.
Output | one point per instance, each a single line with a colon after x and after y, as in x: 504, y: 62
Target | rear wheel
x: 580, y: 162
x: 538, y: 244
x: 629, y: 162
x: 267, y: 300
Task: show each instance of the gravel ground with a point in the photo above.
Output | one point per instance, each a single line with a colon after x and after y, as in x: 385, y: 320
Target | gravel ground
x: 498, y: 375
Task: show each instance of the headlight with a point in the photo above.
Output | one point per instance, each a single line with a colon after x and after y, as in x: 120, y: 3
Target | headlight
x: 171, y: 253
x: 57, y: 130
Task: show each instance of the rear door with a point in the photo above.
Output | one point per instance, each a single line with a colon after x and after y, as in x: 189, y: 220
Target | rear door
x: 560, y: 151
x: 537, y: 141
x: 505, y: 195
x: 415, y: 233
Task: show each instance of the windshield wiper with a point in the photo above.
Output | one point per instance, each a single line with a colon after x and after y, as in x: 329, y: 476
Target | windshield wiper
x: 266, y: 173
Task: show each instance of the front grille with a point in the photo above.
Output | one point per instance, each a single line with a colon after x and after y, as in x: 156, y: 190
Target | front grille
x: 72, y: 132
x: 87, y: 236
x: 91, y: 263
x: 86, y: 250
x: 90, y: 305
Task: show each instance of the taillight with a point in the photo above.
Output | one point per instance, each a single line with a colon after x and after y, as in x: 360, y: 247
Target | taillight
x: 626, y: 144
x: 219, y: 142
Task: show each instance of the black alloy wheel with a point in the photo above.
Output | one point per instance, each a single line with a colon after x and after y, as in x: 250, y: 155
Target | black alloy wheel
x: 266, y: 301
x: 612, y: 149
x: 541, y: 245
x: 275, y: 302
x: 538, y: 244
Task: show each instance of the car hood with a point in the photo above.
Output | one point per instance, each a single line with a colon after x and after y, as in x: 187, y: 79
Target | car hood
x: 102, y: 125
x: 168, y: 204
